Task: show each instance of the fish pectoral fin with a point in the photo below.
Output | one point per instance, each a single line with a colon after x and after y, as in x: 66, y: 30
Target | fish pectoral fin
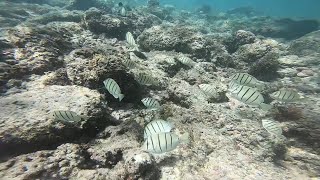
x: 120, y: 96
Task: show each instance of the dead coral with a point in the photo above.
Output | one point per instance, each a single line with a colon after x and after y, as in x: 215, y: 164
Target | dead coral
x: 287, y: 113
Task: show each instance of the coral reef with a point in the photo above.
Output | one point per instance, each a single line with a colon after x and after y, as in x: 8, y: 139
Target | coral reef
x: 56, y: 58
x: 25, y: 115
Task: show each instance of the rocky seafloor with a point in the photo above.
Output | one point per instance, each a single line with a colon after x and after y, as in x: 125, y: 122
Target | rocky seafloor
x: 56, y: 56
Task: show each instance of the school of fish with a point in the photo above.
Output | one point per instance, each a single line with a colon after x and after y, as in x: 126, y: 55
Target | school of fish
x: 158, y: 134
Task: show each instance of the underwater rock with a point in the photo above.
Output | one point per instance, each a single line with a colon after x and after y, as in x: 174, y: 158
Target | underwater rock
x: 141, y: 165
x: 124, y: 158
x: 287, y: 28
x: 106, y: 153
x: 296, y: 61
x: 241, y: 37
x: 179, y: 93
x: 252, y: 52
x: 305, y: 159
x: 90, y: 67
x: 261, y: 58
x: 56, y: 16
x: 16, y: 13
x: 61, y: 163
x: 98, y: 22
x: 183, y: 39
x: 266, y: 68
x: 58, y: 77
x: 117, y: 26
x: 36, y: 50
x: 307, y: 45
x: 26, y: 123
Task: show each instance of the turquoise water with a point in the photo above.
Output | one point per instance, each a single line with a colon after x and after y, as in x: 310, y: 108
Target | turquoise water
x: 281, y: 8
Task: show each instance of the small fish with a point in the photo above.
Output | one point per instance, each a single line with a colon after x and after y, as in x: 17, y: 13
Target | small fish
x: 186, y: 61
x: 145, y: 79
x: 123, y: 11
x: 272, y: 127
x: 129, y: 63
x: 130, y: 40
x: 67, y: 116
x: 163, y: 142
x: 286, y: 95
x: 246, y: 80
x: 157, y: 126
x: 113, y: 88
x: 249, y: 95
x: 208, y: 89
x: 170, y: 60
x: 151, y: 103
x: 233, y: 85
x: 120, y: 4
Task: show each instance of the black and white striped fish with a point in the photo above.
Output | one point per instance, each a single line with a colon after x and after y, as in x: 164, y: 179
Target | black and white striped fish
x: 208, y: 89
x: 151, y: 103
x: 272, y: 127
x: 130, y: 40
x: 286, y: 95
x: 145, y: 79
x: 186, y: 60
x: 249, y: 95
x: 170, y: 60
x: 246, y: 80
x: 113, y: 88
x: 163, y: 142
x: 67, y: 116
x: 157, y: 126
x: 232, y: 85
x: 129, y: 63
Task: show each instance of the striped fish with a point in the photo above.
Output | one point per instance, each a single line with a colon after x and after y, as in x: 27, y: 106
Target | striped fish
x: 123, y: 12
x: 157, y: 126
x: 113, y: 88
x: 170, y: 60
x: 67, y: 116
x: 163, y: 142
x: 286, y: 95
x: 246, y: 80
x: 233, y: 85
x: 151, y: 103
x: 130, y: 40
x: 186, y: 61
x: 145, y: 79
x: 272, y: 127
x: 249, y: 95
x: 208, y: 89
x: 129, y: 63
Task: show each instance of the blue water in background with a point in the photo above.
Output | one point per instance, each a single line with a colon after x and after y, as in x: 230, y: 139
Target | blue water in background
x: 279, y: 8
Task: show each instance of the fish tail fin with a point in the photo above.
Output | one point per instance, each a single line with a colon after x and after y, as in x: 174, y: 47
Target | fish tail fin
x: 260, y: 85
x: 265, y: 107
x: 184, y: 138
x: 120, y: 96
